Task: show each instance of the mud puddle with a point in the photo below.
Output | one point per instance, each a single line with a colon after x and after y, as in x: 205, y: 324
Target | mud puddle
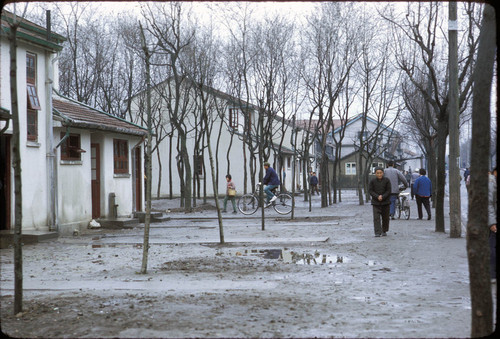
x: 287, y: 256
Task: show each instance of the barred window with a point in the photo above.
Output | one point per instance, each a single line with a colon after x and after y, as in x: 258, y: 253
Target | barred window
x: 120, y: 152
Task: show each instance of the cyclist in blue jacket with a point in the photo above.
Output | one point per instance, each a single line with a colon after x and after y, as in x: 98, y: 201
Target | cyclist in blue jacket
x: 271, y: 180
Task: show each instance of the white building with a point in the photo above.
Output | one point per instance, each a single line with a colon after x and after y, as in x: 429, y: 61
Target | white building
x: 73, y: 157
x: 227, y: 142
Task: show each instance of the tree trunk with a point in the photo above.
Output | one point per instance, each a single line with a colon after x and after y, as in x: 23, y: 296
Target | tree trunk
x: 158, y: 156
x: 477, y: 226
x: 18, y: 201
x: 187, y: 170
x: 441, y: 174
x: 147, y: 222
x: 170, y: 179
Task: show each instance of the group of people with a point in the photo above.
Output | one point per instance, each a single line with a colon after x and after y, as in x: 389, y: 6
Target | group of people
x: 270, y: 180
x: 384, y: 191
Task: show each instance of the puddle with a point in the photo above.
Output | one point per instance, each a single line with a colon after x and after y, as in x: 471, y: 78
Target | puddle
x: 291, y: 257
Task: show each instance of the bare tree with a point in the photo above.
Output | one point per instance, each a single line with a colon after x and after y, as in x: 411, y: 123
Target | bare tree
x: 166, y: 22
x: 477, y: 226
x: 332, y: 46
x: 11, y: 34
x: 420, y: 57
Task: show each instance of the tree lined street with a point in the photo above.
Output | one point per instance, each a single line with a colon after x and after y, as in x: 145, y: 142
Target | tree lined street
x: 373, y: 287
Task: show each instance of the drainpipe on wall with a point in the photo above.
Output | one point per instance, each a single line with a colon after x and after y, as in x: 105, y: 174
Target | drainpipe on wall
x: 51, y: 158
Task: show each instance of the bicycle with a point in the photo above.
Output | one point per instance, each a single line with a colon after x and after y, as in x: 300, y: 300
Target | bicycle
x: 403, y: 204
x: 249, y: 203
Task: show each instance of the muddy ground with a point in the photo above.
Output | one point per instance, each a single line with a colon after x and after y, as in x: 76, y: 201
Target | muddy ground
x: 412, y: 283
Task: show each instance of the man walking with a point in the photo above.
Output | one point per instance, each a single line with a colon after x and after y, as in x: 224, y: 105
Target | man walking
x: 271, y: 181
x: 395, y: 177
x: 380, y: 191
x: 314, y: 183
x: 414, y: 176
x: 423, y: 192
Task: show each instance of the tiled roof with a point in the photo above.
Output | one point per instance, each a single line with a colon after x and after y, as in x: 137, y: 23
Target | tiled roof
x: 73, y: 113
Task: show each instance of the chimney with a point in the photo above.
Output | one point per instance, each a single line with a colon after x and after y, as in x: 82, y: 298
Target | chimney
x: 47, y: 22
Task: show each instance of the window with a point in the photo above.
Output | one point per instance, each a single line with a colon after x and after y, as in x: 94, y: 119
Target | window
x: 70, y: 148
x: 33, y: 103
x: 289, y: 162
x: 31, y: 68
x: 120, y: 158
x: 365, y: 135
x: 198, y: 162
x: 32, y: 124
x: 350, y: 168
x: 375, y: 165
x: 233, y: 118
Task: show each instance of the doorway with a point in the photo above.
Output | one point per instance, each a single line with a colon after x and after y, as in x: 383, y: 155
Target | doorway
x: 5, y: 182
x: 137, y: 179
x: 95, y: 161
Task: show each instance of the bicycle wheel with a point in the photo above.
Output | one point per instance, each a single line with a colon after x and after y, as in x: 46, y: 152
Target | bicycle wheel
x: 398, y: 209
x: 406, y: 212
x: 248, y: 204
x: 283, y: 205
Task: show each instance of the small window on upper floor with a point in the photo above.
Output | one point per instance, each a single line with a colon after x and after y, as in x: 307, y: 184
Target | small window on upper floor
x: 33, y: 103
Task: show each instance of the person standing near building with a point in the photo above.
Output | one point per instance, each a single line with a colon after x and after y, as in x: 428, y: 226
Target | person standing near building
x: 313, y: 181
x: 492, y: 222
x: 271, y: 181
x: 230, y: 194
x: 380, y: 189
x: 423, y: 192
x: 414, y: 176
x: 395, y: 177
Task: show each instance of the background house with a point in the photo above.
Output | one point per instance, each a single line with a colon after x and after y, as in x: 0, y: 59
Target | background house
x: 229, y: 119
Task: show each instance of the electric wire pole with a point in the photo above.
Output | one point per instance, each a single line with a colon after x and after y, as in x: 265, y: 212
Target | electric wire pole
x: 453, y: 121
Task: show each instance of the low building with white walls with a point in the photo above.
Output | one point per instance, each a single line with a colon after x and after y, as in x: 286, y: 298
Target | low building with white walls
x: 73, y: 157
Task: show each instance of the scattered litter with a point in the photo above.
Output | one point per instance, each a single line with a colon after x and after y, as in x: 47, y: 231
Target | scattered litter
x: 94, y: 224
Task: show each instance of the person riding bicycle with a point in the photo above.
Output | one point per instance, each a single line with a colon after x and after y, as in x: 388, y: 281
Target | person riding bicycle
x: 271, y: 180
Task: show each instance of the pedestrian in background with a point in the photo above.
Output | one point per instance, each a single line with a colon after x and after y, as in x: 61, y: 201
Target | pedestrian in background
x: 395, y: 177
x: 408, y: 177
x: 414, y: 176
x: 313, y: 181
x: 492, y: 222
x: 423, y: 192
x: 230, y: 194
x: 380, y: 189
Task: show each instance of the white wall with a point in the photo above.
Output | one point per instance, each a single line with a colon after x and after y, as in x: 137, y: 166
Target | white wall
x: 33, y: 153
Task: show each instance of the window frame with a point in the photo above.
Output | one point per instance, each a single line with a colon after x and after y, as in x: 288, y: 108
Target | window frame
x: 71, y: 147
x: 350, y: 169
x: 32, y: 100
x: 233, y: 118
x: 375, y: 165
x: 120, y: 156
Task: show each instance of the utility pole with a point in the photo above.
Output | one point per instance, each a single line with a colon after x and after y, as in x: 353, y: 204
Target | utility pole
x: 453, y: 119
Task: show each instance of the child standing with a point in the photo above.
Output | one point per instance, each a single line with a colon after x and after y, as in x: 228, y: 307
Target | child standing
x: 380, y: 191
x: 230, y: 194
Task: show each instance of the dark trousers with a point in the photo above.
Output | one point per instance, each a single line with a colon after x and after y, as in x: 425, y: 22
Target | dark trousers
x: 493, y: 255
x: 412, y: 191
x: 425, y: 202
x: 381, y: 212
x: 314, y: 188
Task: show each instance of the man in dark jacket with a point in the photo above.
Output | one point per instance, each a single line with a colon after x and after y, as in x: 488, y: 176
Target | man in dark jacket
x: 314, y: 183
x: 380, y: 191
x: 272, y: 181
x: 423, y: 192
